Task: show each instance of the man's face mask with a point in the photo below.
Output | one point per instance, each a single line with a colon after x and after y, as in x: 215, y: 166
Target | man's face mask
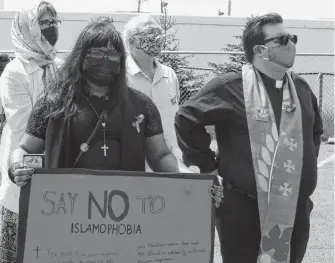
x: 150, y: 41
x: 284, y: 52
x: 102, y: 67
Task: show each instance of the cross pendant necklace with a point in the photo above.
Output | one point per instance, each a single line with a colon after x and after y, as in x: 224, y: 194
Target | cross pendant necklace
x: 103, y: 123
x: 105, y: 147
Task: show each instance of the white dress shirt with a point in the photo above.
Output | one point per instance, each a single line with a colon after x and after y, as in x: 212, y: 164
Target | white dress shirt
x: 163, y: 90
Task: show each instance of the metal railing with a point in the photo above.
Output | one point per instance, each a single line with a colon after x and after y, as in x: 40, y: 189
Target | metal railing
x: 322, y: 85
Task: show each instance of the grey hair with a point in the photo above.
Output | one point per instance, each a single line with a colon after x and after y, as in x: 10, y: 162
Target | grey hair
x: 46, y: 7
x: 136, y: 25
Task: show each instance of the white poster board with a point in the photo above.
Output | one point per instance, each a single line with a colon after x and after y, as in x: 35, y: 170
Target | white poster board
x: 81, y: 216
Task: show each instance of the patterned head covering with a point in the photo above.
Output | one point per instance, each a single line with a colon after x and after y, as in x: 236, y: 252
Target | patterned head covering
x: 28, y: 40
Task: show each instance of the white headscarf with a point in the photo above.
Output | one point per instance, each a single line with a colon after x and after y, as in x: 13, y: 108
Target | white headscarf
x: 29, y: 42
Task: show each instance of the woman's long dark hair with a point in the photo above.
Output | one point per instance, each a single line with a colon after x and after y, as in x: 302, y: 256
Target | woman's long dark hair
x: 61, y: 92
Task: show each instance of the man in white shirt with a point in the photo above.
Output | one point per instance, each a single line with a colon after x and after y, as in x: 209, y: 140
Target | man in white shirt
x: 143, y: 38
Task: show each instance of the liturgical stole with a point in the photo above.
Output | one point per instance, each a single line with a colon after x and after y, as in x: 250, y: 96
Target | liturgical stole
x: 277, y: 161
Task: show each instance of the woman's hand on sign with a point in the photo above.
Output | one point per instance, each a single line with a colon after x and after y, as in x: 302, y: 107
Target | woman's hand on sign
x: 217, y: 189
x: 20, y: 173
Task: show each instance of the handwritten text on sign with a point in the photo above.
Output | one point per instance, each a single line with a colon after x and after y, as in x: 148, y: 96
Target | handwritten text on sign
x: 116, y: 219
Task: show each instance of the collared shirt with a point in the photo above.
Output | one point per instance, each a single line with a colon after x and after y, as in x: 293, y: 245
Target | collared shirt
x: 163, y: 90
x: 275, y: 96
x: 221, y: 103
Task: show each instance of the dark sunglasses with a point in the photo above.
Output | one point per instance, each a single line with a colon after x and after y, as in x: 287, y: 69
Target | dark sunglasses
x: 49, y: 23
x: 283, y: 40
x: 99, y: 54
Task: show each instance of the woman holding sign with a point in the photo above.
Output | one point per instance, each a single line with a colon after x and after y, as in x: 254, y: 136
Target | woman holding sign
x: 89, y: 118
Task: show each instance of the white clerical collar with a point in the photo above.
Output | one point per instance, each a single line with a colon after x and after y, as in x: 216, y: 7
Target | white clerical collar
x: 279, y: 84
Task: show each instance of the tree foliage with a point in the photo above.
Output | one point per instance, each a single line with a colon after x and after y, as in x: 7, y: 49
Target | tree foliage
x: 235, y: 61
x: 189, y: 80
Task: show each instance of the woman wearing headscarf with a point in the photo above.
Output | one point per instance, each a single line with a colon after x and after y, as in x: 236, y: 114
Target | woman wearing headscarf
x: 34, y: 34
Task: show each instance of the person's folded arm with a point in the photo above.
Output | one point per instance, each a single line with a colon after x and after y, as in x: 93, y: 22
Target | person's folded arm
x: 210, y: 106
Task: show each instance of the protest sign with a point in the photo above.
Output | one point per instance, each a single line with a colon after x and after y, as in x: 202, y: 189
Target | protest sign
x: 83, y: 216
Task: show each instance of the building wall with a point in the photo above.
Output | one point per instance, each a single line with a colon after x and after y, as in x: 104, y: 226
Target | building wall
x: 204, y: 34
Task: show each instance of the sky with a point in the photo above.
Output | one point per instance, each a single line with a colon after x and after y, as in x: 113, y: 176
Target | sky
x: 296, y: 9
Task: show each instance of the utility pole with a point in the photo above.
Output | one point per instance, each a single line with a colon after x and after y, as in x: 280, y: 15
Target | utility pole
x: 139, y: 6
x: 229, y: 7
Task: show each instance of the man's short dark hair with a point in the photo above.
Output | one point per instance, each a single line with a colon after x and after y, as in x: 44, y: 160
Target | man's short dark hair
x: 253, y: 33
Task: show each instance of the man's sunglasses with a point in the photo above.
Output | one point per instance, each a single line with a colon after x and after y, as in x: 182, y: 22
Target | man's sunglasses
x: 283, y: 40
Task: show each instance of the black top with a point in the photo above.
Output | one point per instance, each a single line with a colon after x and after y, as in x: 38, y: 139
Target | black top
x: 85, y: 120
x: 221, y: 103
x: 275, y: 96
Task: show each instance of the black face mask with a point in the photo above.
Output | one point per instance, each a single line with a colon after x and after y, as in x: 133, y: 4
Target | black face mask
x: 101, y: 71
x: 50, y: 34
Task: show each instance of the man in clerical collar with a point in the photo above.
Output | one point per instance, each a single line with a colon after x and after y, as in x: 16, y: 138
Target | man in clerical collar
x: 268, y: 130
x: 143, y: 38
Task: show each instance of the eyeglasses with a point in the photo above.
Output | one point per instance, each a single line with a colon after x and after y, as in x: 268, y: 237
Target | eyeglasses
x: 283, y: 40
x: 49, y: 23
x: 99, y: 54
